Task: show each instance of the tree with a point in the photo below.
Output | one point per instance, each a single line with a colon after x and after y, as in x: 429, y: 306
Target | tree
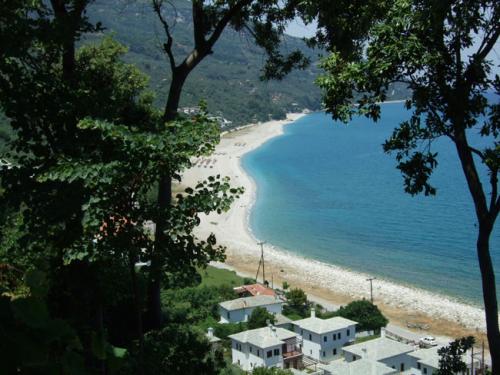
x: 88, y: 147
x: 451, y: 357
x: 297, y: 301
x: 368, y: 315
x: 426, y: 45
x: 209, y: 22
x: 260, y: 317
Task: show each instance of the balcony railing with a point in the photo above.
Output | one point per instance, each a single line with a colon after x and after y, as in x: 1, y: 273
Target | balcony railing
x: 292, y: 354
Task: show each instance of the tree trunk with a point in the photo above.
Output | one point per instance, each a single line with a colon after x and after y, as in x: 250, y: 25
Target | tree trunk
x: 138, y: 312
x: 164, y: 200
x: 486, y: 221
x: 489, y: 293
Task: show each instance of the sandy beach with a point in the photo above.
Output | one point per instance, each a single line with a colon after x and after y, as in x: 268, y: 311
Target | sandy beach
x: 333, y: 285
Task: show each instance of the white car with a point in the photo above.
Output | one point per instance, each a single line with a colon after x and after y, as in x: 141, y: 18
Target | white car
x: 427, y: 342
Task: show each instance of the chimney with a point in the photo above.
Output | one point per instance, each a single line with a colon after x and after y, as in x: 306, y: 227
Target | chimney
x: 382, y: 332
x: 273, y: 331
x: 210, y: 332
x: 313, y: 313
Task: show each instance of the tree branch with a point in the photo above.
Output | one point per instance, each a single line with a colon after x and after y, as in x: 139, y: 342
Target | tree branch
x: 494, y: 192
x: 198, y: 25
x: 470, y: 148
x: 167, y: 47
x: 219, y: 28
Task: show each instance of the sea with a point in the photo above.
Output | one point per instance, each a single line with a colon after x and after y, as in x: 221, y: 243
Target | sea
x: 327, y: 191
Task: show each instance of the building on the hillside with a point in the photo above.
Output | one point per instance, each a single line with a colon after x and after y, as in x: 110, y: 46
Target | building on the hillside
x: 426, y: 361
x: 239, y: 310
x: 265, y: 347
x: 389, y: 352
x: 323, y: 339
x: 214, y: 340
x: 360, y: 367
x: 254, y: 290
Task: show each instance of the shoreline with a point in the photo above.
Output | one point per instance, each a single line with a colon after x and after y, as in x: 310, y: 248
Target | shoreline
x: 326, y: 282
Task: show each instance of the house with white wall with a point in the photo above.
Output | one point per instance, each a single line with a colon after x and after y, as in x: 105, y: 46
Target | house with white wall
x: 359, y: 367
x: 265, y: 347
x: 323, y: 339
x: 391, y: 353
x: 426, y: 361
x: 240, y: 309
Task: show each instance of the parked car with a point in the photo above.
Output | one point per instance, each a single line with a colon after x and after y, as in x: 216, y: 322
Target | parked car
x: 427, y: 342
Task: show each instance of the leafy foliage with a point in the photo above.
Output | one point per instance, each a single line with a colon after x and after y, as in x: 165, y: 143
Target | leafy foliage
x: 442, y: 51
x: 260, y: 317
x: 177, y: 349
x: 270, y: 371
x: 451, y: 356
x: 297, y: 303
x: 88, y: 145
x: 368, y: 315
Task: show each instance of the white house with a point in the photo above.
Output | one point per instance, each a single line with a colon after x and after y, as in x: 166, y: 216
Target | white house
x: 360, y: 367
x: 392, y: 353
x: 212, y: 339
x: 426, y: 361
x: 323, y: 339
x: 239, y: 310
x: 265, y: 347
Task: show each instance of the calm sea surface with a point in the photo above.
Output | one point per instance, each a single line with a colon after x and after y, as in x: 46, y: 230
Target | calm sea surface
x: 328, y: 192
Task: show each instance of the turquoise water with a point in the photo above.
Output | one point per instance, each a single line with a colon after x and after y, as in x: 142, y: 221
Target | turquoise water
x: 327, y: 191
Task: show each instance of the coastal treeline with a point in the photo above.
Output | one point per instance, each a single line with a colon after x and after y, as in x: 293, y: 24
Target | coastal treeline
x: 96, y: 251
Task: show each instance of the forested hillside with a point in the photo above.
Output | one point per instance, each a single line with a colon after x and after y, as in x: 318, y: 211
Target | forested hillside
x: 229, y: 80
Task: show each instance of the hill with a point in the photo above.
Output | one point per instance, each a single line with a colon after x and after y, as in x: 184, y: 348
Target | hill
x: 228, y: 79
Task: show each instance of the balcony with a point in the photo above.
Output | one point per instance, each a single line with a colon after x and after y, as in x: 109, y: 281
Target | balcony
x: 292, y: 354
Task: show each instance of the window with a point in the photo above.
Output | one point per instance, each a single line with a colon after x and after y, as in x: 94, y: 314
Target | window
x: 324, y: 339
x: 419, y: 366
x: 276, y: 352
x: 269, y: 353
x: 324, y: 354
x: 353, y: 358
x: 251, y: 349
x: 258, y: 353
x: 425, y: 370
x: 310, y: 337
x: 348, y: 332
x: 339, y: 335
x: 228, y: 315
x: 334, y: 351
x: 402, y: 366
x: 334, y: 336
x: 302, y: 332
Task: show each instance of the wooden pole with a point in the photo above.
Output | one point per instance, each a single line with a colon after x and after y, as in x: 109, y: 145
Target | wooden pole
x: 262, y: 260
x: 371, y: 287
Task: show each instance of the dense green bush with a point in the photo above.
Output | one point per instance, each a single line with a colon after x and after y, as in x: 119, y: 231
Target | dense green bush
x: 368, y: 315
x: 259, y: 318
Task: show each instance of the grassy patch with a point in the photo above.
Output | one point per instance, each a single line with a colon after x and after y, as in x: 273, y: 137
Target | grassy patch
x: 212, y: 276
